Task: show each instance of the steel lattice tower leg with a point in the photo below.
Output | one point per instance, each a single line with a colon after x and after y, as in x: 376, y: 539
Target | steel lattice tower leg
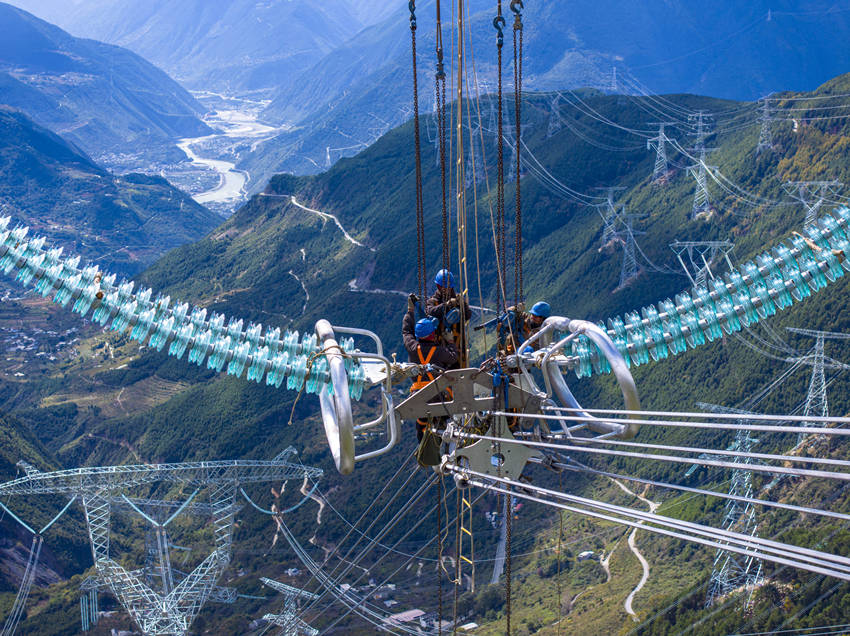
x: 816, y: 400
x: 732, y: 571
x: 659, y: 144
x: 766, y: 132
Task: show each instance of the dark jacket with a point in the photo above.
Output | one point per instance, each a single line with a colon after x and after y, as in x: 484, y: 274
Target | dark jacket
x: 437, y: 305
x: 445, y: 355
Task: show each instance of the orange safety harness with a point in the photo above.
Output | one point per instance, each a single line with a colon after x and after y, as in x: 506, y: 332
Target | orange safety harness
x: 420, y: 381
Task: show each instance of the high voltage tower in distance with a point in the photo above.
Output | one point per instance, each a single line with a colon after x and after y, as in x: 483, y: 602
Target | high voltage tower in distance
x: 817, y: 404
x: 288, y: 619
x: 732, y: 571
x: 765, y: 142
x: 701, y: 122
x: 629, y: 269
x: 609, y: 213
x: 102, y: 491
x: 661, y: 171
x: 701, y: 256
x: 812, y: 195
x: 555, y: 124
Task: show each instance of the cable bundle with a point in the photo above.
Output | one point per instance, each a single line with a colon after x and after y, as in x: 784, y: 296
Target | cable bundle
x: 160, y: 322
x: 791, y: 272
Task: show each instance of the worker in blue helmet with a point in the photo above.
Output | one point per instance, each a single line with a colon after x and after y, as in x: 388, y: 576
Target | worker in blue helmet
x: 425, y: 348
x: 517, y: 325
x: 447, y: 308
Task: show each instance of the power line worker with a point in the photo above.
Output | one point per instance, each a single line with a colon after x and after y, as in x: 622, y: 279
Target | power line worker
x: 447, y: 308
x: 517, y: 325
x: 424, y: 348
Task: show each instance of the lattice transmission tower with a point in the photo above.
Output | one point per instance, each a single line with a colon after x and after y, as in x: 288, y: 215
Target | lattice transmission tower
x: 812, y: 195
x: 555, y: 123
x: 731, y: 571
x: 629, y: 270
x: 701, y: 122
x: 609, y: 213
x: 661, y: 171
x: 701, y: 256
x: 765, y: 142
x: 288, y: 619
x: 159, y: 599
x: 817, y: 403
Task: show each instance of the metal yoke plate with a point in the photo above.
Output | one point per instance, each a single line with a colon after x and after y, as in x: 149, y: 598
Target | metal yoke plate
x: 471, y: 392
x: 502, y: 460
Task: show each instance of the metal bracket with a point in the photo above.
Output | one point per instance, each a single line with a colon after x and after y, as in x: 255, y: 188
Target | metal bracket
x: 471, y: 392
x: 501, y: 460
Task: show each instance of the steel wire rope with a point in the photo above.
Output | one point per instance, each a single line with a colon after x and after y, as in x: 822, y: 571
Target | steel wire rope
x: 682, y: 449
x: 797, y: 630
x: 353, y: 562
x: 798, y: 472
x: 334, y: 578
x: 397, y: 570
x: 374, y: 501
x: 583, y: 468
x: 420, y: 214
x: 769, y: 550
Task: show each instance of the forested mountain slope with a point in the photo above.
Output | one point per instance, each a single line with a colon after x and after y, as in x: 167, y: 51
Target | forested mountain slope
x: 279, y: 262
x: 101, y: 97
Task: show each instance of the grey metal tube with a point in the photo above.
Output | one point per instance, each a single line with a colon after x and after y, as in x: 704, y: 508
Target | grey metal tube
x: 337, y: 417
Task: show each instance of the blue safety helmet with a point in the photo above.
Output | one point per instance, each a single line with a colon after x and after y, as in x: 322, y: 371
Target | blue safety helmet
x: 541, y: 310
x: 425, y: 327
x: 445, y: 278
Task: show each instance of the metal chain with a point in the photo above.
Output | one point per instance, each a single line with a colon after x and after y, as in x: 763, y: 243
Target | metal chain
x: 498, y: 24
x: 420, y: 217
x: 516, y: 6
x: 440, y: 89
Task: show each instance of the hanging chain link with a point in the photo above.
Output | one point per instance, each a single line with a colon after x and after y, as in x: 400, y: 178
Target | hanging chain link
x: 498, y: 24
x: 420, y: 215
x: 516, y: 7
x: 440, y: 90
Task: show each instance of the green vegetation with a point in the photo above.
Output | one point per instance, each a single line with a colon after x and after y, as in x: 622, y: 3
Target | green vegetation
x: 251, y: 267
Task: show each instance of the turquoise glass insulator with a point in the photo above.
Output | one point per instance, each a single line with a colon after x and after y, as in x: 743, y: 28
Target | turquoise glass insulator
x: 308, y: 344
x: 759, y: 289
x: 791, y: 273
x: 600, y: 362
x: 842, y: 215
x: 258, y: 364
x: 201, y: 347
x: 617, y: 331
x: 298, y: 370
x: 234, y: 329
x: 689, y: 320
x: 290, y: 343
x: 318, y: 376
x: 253, y: 333
x: 581, y: 350
x: 671, y: 324
x: 143, y: 325
x: 658, y: 346
x: 743, y: 300
x: 272, y: 340
x: 356, y: 382
x: 162, y: 333
x: 221, y: 347
x: 808, y: 263
x: 217, y: 324
x: 125, y: 312
x: 86, y: 299
x: 240, y: 356
x: 181, y: 340
x: 637, y: 337
x: 779, y: 292
x: 278, y: 369
x: 108, y: 305
x: 725, y: 307
x: 707, y: 312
